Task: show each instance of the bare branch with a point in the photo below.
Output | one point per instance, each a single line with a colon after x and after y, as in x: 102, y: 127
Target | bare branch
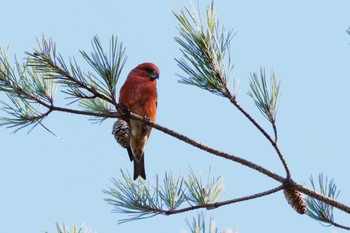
x: 208, y: 149
x: 267, y: 136
x: 321, y: 197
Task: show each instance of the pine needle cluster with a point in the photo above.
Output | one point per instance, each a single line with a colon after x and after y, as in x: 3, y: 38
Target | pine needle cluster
x: 140, y: 200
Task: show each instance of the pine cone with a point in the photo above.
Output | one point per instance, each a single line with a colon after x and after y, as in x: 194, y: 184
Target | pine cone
x: 296, y: 199
x: 121, y: 132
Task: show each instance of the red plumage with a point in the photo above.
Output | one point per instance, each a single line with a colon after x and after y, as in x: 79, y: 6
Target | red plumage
x: 139, y: 95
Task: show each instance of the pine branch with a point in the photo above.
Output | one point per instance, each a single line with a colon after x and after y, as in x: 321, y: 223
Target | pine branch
x: 25, y: 94
x: 288, y: 182
x: 228, y: 202
x: 199, y: 193
x: 321, y: 197
x: 198, y: 225
x: 171, y: 192
x: 266, y: 98
x: 45, y: 60
x: 135, y: 199
x: 267, y: 136
x: 108, y: 67
x: 61, y: 228
x: 204, y: 51
x: 242, y: 161
x: 29, y: 91
x: 204, y: 63
x: 207, y: 148
x: 319, y: 210
x: 246, y: 163
x: 30, y: 86
x: 141, y: 201
x: 106, y: 114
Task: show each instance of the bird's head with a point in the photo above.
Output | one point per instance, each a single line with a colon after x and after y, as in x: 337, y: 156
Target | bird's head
x: 148, y: 69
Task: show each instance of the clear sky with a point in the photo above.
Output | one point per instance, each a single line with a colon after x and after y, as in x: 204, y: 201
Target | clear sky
x: 44, y: 180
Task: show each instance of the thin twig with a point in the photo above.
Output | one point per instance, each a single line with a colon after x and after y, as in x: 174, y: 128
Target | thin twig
x: 222, y: 203
x: 244, y: 162
x: 209, y: 149
x: 320, y: 197
x: 52, y: 107
x: 267, y: 136
x: 340, y: 226
x: 67, y: 75
x: 275, y: 131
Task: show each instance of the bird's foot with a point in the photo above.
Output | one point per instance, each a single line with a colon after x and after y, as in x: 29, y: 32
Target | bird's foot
x: 147, y: 120
x: 124, y: 110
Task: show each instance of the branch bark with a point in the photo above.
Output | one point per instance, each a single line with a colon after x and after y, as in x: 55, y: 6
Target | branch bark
x: 222, y: 203
x: 288, y: 182
x: 267, y: 136
x: 210, y: 150
x: 320, y: 197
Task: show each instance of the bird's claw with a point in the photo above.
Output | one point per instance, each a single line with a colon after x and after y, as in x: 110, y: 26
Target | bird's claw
x: 124, y: 110
x: 147, y: 120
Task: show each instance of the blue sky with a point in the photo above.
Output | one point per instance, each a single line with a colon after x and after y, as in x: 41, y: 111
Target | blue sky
x: 44, y: 180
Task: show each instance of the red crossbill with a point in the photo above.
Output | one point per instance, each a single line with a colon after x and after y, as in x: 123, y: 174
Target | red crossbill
x: 139, y: 95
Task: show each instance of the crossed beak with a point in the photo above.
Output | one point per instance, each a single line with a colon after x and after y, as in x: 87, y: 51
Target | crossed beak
x: 154, y: 75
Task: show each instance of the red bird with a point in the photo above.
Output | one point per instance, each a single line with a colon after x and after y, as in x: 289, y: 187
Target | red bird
x: 139, y: 95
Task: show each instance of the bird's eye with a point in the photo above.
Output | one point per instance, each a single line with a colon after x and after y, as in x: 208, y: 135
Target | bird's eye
x: 153, y: 74
x: 149, y: 70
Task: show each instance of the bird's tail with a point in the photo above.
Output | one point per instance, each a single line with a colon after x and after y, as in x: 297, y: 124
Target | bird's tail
x: 131, y: 155
x: 139, y: 168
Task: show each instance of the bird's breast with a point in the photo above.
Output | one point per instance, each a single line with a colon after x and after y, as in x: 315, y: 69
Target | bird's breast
x: 140, y: 97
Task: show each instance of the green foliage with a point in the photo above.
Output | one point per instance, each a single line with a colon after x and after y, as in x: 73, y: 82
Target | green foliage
x: 26, y: 91
x: 108, y: 67
x: 266, y: 97
x: 203, y: 194
x: 205, y: 51
x: 96, y: 105
x: 198, y: 225
x: 318, y: 210
x: 81, y: 85
x: 133, y: 198
x: 75, y: 229
x: 171, y: 192
x: 30, y: 87
x: 21, y: 113
x: 140, y: 200
x: 51, y: 65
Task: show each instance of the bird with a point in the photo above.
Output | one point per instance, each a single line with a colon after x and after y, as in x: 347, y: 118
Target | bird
x: 139, y: 95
